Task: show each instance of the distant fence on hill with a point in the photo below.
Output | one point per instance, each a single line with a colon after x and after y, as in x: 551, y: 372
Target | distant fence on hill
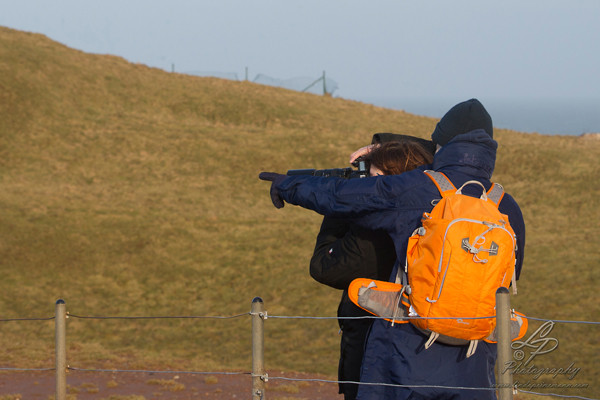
x: 316, y: 85
x: 505, y: 387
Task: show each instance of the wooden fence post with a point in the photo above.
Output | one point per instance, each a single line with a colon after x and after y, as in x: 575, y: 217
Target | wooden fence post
x: 258, y: 349
x: 505, y: 380
x: 60, y: 318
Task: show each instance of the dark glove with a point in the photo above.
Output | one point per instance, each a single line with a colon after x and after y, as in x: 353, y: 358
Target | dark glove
x: 275, y: 179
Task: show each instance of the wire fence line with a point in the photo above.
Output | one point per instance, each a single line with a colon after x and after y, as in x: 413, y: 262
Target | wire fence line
x: 157, y: 371
x: 147, y: 371
x: 283, y: 378
x: 263, y: 377
x: 311, y: 84
x: 266, y: 316
x: 380, y: 384
x: 564, y: 321
x: 424, y: 386
x: 564, y: 396
x: 26, y: 369
x: 160, y: 317
x: 26, y: 319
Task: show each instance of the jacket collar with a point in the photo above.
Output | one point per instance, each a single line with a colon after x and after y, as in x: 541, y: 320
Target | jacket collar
x: 472, y: 152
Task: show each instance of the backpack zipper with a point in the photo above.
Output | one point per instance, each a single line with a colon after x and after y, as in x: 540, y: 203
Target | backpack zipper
x: 488, y: 224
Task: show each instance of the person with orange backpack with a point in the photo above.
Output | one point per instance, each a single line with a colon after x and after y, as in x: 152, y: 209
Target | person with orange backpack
x: 403, y: 358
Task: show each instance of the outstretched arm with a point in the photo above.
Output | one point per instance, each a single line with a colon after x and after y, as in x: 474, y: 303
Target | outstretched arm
x: 331, y: 196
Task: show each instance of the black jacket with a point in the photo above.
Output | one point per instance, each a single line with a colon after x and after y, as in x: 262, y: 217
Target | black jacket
x: 344, y: 252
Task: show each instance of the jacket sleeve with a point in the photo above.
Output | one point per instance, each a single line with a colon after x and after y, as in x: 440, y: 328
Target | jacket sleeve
x: 338, y: 197
x: 344, y: 252
x: 509, y: 206
x: 370, y: 202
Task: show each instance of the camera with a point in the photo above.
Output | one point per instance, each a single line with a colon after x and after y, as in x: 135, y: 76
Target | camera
x: 362, y: 170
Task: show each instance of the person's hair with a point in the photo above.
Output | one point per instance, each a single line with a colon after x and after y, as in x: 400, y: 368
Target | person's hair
x: 394, y: 158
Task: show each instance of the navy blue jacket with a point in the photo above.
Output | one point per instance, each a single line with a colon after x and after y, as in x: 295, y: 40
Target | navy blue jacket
x: 395, y: 204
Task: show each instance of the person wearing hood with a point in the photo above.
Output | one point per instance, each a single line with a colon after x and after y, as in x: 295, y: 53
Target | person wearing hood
x: 395, y: 354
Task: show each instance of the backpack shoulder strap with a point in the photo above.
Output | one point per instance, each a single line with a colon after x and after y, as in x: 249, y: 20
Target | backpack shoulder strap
x: 496, y: 193
x: 441, y: 182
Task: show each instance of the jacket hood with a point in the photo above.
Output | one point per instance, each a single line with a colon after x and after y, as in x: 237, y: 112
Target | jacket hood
x: 473, y: 152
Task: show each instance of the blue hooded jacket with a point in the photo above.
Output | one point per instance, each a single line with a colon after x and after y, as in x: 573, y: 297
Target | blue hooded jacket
x: 395, y: 203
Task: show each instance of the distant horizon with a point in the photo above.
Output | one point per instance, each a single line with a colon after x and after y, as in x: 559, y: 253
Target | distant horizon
x: 548, y: 116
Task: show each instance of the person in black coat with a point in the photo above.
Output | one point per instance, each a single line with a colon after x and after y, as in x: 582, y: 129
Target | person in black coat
x: 344, y: 252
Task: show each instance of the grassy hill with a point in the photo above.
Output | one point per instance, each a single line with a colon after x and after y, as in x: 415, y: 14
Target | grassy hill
x: 130, y: 191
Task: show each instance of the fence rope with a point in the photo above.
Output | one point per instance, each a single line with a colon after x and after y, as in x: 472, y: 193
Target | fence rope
x: 26, y: 319
x: 564, y: 321
x: 69, y: 315
x: 155, y: 372
x: 408, y: 318
x: 380, y: 384
x: 370, y: 317
x: 564, y: 396
x: 26, y: 369
x: 267, y: 377
x: 421, y: 386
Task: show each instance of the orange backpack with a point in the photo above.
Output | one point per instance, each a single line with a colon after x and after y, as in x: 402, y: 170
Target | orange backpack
x: 463, y: 252
x: 456, y: 261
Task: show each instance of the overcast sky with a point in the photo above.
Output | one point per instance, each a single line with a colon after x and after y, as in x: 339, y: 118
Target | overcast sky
x: 387, y: 48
